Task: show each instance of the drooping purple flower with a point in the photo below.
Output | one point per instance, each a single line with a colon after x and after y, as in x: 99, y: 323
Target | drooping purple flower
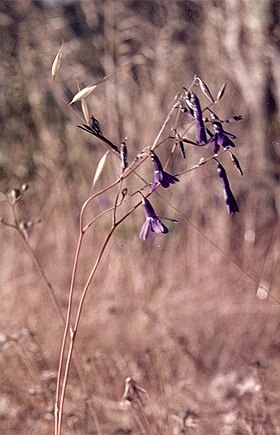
x: 199, y: 124
x: 152, y: 222
x: 160, y: 176
x: 221, y: 137
x: 229, y: 198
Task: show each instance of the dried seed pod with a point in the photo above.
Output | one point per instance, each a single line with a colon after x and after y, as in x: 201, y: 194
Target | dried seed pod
x: 83, y: 93
x: 99, y: 168
x: 124, y: 193
x: 236, y: 162
x: 57, y: 63
x: 221, y: 92
x: 85, y: 110
x: 24, y: 187
x: 182, y: 148
x: 205, y: 89
x: 14, y: 195
x: 132, y: 390
x: 124, y: 163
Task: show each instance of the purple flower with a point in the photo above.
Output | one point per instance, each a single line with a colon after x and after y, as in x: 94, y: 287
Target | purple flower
x: 152, y: 222
x: 221, y: 137
x: 160, y: 176
x: 229, y: 198
x: 199, y: 124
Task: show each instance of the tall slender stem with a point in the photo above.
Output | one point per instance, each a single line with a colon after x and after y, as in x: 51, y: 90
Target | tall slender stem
x: 74, y: 330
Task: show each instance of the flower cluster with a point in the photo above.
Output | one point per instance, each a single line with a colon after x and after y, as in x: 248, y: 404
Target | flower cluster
x: 220, y: 138
x: 207, y: 131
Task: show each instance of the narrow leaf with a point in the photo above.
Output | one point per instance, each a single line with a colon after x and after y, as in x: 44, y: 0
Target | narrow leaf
x: 83, y: 93
x: 221, y: 92
x: 57, y: 63
x: 99, y: 168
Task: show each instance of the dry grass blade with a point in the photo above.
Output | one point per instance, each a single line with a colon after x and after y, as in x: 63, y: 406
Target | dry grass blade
x: 99, y: 169
x: 57, y: 62
x: 83, y: 93
x: 85, y: 110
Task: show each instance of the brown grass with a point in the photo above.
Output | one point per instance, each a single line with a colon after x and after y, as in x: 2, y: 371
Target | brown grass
x: 178, y: 314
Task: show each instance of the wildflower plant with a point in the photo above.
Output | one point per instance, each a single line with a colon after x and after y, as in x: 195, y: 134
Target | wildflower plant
x: 207, y: 131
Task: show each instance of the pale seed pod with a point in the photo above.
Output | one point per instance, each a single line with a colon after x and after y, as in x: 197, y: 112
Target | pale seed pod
x: 99, y: 168
x: 85, y: 110
x: 57, y: 63
x: 205, y: 89
x: 83, y: 93
x: 221, y: 92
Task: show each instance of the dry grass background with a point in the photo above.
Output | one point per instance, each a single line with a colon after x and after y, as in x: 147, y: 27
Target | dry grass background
x: 179, y: 315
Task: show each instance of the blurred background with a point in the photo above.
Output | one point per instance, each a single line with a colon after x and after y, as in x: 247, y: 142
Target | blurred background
x: 192, y: 317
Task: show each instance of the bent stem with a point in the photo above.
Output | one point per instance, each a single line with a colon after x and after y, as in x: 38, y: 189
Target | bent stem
x: 70, y: 303
x: 73, y: 330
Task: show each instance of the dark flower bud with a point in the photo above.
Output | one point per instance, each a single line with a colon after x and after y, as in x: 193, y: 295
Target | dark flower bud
x: 199, y: 124
x: 94, y: 124
x: 182, y: 148
x: 229, y: 198
x: 124, y: 163
x: 236, y: 118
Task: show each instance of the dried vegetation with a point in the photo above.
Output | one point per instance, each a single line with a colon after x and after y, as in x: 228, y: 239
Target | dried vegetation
x: 173, y: 339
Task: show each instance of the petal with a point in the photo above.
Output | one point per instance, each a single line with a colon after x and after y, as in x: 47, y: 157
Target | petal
x: 158, y: 175
x: 217, y: 146
x: 168, y: 179
x: 232, y: 136
x: 200, y: 131
x: 231, y: 202
x: 149, y: 211
x: 154, y: 185
x: 146, y: 227
x: 158, y: 227
x: 220, y: 138
x: 227, y: 142
x: 155, y: 161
